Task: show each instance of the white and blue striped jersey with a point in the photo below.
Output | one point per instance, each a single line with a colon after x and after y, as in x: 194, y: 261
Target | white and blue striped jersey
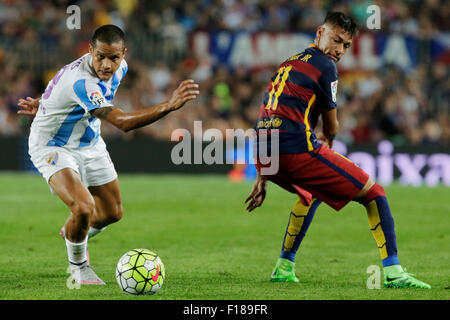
x: 63, y: 118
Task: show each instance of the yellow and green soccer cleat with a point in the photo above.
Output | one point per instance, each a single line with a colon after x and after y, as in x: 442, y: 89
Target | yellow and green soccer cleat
x: 397, y: 277
x: 284, y: 271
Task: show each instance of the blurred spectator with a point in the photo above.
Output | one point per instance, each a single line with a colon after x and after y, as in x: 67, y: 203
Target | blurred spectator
x: 411, y: 106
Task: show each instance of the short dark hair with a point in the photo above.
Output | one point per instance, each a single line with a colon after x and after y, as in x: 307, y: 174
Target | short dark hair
x: 108, y: 33
x: 342, y: 20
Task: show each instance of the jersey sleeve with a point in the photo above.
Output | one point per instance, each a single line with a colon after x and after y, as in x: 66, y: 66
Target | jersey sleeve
x: 328, y: 83
x: 89, y: 95
x: 124, y: 68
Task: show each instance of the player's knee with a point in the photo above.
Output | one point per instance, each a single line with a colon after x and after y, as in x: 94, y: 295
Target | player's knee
x: 374, y: 192
x: 117, y: 213
x: 113, y: 213
x: 83, y: 209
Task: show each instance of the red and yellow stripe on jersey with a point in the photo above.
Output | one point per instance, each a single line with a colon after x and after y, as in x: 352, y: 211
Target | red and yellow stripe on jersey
x: 295, y: 97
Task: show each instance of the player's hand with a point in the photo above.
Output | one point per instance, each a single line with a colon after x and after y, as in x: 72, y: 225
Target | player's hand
x: 257, y: 195
x: 29, y: 106
x: 186, y: 91
x: 321, y: 137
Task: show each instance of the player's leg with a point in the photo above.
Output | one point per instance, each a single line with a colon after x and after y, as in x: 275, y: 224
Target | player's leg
x: 67, y: 184
x: 108, y: 205
x: 299, y: 220
x: 381, y: 222
x: 373, y: 197
x: 336, y: 181
x: 100, y: 176
x: 68, y: 187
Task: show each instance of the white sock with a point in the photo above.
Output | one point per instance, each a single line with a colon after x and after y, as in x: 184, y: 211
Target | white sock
x: 94, y: 231
x: 77, y: 252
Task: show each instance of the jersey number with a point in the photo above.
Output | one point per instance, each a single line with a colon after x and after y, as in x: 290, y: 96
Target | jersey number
x: 54, y: 82
x: 280, y: 80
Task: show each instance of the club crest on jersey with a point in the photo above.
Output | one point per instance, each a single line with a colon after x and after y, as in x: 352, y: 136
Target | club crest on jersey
x: 96, y: 98
x: 276, y: 122
x: 53, y: 158
x: 334, y: 85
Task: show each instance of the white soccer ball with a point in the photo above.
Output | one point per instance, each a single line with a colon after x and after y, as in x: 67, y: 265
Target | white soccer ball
x: 140, y: 271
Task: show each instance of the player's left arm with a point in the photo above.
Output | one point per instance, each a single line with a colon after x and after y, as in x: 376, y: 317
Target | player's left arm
x: 126, y: 121
x: 330, y: 125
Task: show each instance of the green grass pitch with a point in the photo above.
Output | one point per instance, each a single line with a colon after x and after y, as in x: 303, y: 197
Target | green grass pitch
x: 212, y: 248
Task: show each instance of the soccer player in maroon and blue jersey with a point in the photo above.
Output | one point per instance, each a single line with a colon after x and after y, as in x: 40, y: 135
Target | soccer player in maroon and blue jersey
x: 302, y: 90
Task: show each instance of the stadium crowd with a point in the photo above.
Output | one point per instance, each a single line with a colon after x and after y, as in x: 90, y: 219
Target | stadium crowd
x: 406, y: 107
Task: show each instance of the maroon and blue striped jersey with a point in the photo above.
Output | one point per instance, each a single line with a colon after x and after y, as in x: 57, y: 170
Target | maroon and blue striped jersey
x: 303, y: 87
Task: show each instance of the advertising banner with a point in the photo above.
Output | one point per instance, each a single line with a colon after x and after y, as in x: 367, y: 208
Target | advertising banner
x: 369, y: 51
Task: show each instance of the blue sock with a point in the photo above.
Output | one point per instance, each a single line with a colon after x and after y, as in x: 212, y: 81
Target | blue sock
x: 299, y: 221
x: 389, y: 261
x: 381, y: 224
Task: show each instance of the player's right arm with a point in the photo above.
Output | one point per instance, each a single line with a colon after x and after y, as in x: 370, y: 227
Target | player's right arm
x: 29, y: 106
x: 126, y: 121
x: 258, y: 193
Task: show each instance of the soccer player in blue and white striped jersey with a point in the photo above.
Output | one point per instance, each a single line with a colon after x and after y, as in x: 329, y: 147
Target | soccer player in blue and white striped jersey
x: 65, y: 143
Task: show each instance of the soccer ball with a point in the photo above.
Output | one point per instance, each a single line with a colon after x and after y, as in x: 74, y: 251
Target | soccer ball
x: 140, y: 271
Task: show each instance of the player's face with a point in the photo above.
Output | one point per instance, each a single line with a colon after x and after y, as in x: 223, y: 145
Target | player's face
x: 106, y: 58
x: 333, y: 41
